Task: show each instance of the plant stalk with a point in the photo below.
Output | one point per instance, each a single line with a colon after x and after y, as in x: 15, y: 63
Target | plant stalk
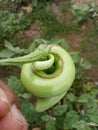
x: 38, y: 55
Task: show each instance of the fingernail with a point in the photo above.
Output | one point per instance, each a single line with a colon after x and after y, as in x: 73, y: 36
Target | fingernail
x: 17, y: 116
x: 3, y: 97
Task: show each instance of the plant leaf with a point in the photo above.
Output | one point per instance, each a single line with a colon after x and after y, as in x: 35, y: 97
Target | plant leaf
x: 45, y: 118
x: 16, y: 50
x: 28, y: 111
x: 61, y: 42
x: 60, y: 110
x: 85, y: 64
x: 16, y: 85
x: 50, y: 125
x: 71, y: 118
x: 92, y: 114
x: 71, y: 97
x: 6, y: 53
x: 87, y: 100
x: 81, y: 125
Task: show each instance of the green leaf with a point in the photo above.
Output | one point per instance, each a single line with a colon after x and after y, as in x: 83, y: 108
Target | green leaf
x: 45, y: 118
x: 70, y: 119
x: 71, y: 97
x: 16, y: 50
x: 6, y: 53
x: 81, y: 125
x: 25, y: 95
x: 92, y: 124
x: 10, y: 50
x: 60, y: 110
x: 92, y: 115
x: 85, y: 64
x: 50, y: 125
x: 60, y: 122
x: 75, y: 56
x: 35, y: 44
x: 87, y: 100
x: 61, y: 42
x: 94, y: 92
x: 88, y: 86
x: 28, y: 111
x: 16, y: 85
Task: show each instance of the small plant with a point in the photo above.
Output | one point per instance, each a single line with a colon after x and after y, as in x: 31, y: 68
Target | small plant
x: 85, y: 11
x: 12, y: 22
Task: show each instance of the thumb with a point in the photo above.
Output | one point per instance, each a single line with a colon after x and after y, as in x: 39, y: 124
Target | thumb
x: 4, y: 104
x: 14, y: 120
x: 7, y: 98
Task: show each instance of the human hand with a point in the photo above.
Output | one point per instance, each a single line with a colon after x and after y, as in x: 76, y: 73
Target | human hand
x: 10, y: 115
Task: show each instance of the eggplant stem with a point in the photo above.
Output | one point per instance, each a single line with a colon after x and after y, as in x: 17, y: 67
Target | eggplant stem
x: 40, y: 54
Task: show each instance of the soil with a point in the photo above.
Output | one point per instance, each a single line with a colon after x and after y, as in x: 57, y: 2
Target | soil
x: 33, y: 31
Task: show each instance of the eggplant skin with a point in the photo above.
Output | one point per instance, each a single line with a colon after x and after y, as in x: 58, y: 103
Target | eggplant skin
x: 50, y: 87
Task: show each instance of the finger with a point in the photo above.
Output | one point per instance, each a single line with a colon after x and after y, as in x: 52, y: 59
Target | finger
x: 7, y: 98
x: 17, y: 116
x: 9, y: 94
x: 4, y: 103
x: 15, y: 119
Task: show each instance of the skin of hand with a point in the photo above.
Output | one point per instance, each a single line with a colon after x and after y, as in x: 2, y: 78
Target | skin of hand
x: 10, y: 115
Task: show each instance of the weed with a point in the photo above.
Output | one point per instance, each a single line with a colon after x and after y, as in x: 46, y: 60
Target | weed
x: 85, y: 11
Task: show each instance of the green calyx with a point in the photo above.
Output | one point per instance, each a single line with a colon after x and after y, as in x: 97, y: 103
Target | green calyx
x: 51, y: 83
